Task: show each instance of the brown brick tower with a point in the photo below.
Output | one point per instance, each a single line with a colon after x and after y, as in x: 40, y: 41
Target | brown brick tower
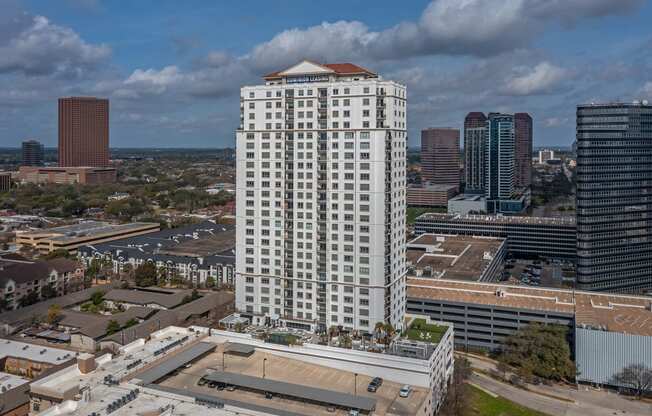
x: 83, y: 132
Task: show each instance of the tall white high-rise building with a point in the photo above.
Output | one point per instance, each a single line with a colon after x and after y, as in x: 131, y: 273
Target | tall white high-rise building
x: 321, y: 187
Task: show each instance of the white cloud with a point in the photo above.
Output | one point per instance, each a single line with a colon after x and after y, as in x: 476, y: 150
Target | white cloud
x: 159, y: 79
x: 647, y: 89
x: 555, y: 121
x: 44, y: 48
x: 446, y: 27
x: 324, y: 42
x: 541, y: 79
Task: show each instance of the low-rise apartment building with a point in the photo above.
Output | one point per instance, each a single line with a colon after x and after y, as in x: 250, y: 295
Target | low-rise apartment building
x: 24, y: 282
x: 195, y: 253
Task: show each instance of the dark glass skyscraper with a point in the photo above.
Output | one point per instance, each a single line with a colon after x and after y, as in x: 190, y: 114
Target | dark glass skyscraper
x: 475, y: 131
x: 523, y: 150
x: 614, y: 197
x: 32, y: 153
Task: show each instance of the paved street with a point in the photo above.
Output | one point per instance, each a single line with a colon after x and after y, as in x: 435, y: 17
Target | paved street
x: 586, y: 401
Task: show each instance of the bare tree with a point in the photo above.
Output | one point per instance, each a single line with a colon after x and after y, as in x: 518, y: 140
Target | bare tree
x: 457, y: 397
x: 636, y: 377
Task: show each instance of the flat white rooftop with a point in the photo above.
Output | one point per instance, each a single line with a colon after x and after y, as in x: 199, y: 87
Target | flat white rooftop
x: 10, y: 381
x: 33, y: 352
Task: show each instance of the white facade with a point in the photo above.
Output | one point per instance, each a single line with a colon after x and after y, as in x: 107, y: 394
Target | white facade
x: 321, y: 198
x: 545, y: 155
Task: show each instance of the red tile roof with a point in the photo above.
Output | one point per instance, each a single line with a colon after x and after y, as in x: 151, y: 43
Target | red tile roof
x: 340, y: 68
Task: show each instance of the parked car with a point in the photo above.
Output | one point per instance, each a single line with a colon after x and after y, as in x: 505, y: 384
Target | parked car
x: 375, y: 384
x: 202, y: 381
x: 405, y: 391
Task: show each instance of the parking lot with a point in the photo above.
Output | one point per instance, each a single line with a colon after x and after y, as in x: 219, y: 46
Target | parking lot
x: 296, y: 372
x: 537, y: 273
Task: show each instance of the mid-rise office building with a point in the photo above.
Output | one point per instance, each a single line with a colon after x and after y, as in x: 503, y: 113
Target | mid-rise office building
x: 475, y: 128
x: 430, y: 195
x: 32, y: 153
x: 529, y: 237
x: 83, y: 132
x: 614, y: 197
x: 321, y: 156
x: 523, y: 150
x: 67, y: 175
x: 440, y: 156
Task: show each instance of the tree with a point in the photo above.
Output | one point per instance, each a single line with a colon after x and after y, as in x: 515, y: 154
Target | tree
x: 379, y: 330
x: 146, y: 274
x: 54, y: 314
x: 541, y: 350
x: 502, y: 366
x: 636, y: 377
x: 456, y: 397
x: 58, y: 253
x: 112, y: 327
x: 130, y: 323
x: 48, y: 292
x: 97, y: 298
x: 29, y: 299
x: 345, y: 341
x: 389, y: 332
x: 127, y: 271
x: 210, y: 281
x: 193, y: 296
x: 332, y: 331
x: 93, y: 269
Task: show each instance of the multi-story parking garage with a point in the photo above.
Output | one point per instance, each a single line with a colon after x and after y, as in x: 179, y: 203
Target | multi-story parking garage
x: 609, y: 331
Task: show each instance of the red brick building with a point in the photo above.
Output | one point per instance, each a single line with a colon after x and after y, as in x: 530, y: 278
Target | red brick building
x: 67, y: 175
x: 83, y: 132
x: 440, y: 156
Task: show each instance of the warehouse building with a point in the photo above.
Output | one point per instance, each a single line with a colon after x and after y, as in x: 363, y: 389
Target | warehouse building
x: 526, y: 236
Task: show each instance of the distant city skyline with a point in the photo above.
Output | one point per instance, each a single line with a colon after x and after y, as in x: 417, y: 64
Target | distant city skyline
x: 171, y: 72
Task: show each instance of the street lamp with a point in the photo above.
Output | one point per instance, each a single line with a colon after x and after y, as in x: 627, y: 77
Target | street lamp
x: 264, y: 361
x: 355, y: 384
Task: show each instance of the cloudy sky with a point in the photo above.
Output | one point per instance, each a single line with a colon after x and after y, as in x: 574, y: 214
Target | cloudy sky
x: 172, y: 69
